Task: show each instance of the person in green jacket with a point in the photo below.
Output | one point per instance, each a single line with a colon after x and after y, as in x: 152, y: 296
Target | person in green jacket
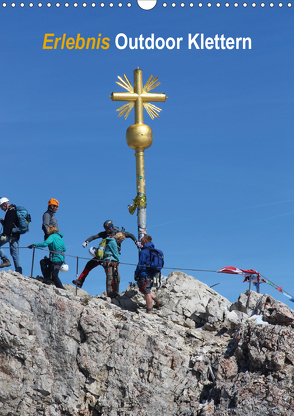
x: 57, y: 248
x: 110, y: 264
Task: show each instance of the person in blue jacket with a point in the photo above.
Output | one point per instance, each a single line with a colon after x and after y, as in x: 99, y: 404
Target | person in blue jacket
x: 111, y: 262
x: 144, y: 275
x: 57, y: 248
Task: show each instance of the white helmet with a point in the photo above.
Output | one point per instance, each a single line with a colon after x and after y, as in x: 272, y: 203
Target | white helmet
x: 64, y: 268
x: 92, y: 251
x: 3, y: 199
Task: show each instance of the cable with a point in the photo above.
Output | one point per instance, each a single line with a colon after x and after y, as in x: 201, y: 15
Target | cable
x: 272, y: 283
x: 129, y: 264
x: 167, y: 268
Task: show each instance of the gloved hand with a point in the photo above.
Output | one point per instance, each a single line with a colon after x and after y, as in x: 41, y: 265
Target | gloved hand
x: 139, y: 244
x: 31, y: 246
x: 136, y: 278
x: 85, y: 244
x: 3, y: 237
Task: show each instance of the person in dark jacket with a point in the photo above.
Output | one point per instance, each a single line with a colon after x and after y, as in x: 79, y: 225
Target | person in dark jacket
x: 47, y: 220
x: 109, y: 231
x: 49, y: 216
x: 57, y: 248
x: 144, y: 275
x: 9, y: 223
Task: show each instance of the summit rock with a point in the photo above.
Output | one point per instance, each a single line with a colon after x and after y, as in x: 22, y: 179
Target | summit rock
x: 62, y: 354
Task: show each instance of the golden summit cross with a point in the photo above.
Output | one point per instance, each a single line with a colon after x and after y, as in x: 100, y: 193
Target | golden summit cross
x: 139, y: 135
x: 138, y: 96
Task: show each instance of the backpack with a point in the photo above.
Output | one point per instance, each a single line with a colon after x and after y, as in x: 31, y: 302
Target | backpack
x: 116, y: 230
x: 24, y: 219
x: 156, y: 259
x: 101, y: 248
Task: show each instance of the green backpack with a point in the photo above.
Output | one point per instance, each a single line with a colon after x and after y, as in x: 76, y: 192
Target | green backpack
x: 100, y: 250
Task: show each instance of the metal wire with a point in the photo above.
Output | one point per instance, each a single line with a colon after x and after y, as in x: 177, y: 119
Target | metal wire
x: 166, y: 268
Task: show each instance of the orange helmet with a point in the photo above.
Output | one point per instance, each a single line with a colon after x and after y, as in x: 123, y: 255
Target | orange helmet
x: 53, y: 201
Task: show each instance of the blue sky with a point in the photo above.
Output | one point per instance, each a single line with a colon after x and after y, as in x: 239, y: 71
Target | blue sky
x: 219, y: 174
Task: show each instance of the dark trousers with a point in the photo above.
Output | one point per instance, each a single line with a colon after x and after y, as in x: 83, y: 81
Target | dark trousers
x: 112, y: 279
x: 50, y: 271
x: 145, y: 284
x: 45, y: 265
x: 112, y: 275
x: 89, y: 266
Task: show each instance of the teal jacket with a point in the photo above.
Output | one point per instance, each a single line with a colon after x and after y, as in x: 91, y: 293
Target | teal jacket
x: 111, y: 250
x: 56, y: 246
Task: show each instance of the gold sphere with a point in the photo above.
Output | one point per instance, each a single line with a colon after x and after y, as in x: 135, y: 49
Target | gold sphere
x: 139, y: 136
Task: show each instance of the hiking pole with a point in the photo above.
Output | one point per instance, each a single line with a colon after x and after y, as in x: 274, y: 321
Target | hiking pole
x: 33, y: 259
x: 77, y: 275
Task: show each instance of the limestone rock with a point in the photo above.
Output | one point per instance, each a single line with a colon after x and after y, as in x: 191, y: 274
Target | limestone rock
x: 242, y: 303
x: 274, y: 312
x: 62, y: 354
x: 186, y: 301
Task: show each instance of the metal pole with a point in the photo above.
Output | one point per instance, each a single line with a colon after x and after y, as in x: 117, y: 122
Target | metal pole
x: 139, y: 136
x: 33, y: 258
x: 141, y: 190
x: 77, y: 275
x: 248, y: 299
x: 258, y: 284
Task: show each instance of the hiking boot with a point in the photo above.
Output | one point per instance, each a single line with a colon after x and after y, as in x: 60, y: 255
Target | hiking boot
x: 149, y: 310
x: 6, y: 263
x: 114, y: 295
x: 78, y: 283
x: 158, y: 303
x: 48, y: 282
x: 39, y: 278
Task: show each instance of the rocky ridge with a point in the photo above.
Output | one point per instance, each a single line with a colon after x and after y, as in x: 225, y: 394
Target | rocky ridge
x: 62, y: 354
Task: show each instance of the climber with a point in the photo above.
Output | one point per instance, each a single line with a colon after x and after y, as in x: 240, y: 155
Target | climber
x: 57, y: 248
x: 109, y: 230
x: 48, y: 219
x: 10, y: 234
x: 144, y: 275
x: 49, y: 216
x: 111, y: 262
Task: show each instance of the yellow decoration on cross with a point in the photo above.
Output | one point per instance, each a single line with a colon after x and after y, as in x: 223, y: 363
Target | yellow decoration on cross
x: 139, y: 136
x: 138, y: 96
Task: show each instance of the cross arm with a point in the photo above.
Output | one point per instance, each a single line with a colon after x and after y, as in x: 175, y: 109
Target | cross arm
x: 124, y: 96
x: 153, y: 97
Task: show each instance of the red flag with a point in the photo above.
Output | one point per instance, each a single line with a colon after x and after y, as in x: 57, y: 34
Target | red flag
x: 246, y: 273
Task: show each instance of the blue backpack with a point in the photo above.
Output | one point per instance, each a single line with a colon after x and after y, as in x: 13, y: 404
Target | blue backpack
x: 156, y: 259
x: 24, y: 220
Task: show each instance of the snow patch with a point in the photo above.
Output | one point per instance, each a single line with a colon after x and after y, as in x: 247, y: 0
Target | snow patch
x: 258, y: 319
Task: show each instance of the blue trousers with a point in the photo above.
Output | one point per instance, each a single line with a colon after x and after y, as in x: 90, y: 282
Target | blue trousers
x: 13, y: 245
